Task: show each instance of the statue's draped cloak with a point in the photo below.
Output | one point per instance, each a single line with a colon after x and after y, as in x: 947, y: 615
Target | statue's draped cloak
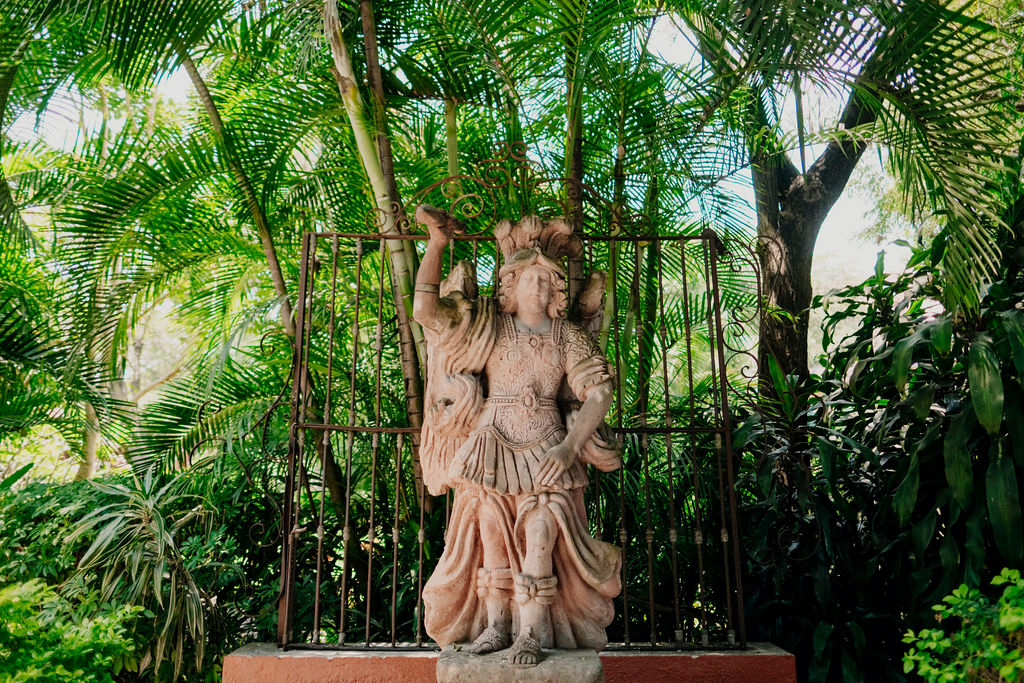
x: 496, y: 402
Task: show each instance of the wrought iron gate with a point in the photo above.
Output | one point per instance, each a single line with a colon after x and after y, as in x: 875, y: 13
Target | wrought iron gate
x: 361, y: 534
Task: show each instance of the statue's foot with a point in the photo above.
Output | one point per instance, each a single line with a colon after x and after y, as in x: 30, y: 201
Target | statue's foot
x: 525, y: 651
x: 491, y: 640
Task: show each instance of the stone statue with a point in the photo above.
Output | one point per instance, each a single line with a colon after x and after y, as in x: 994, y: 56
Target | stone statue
x: 516, y: 398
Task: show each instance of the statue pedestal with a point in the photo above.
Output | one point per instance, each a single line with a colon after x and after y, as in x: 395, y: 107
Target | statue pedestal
x: 267, y: 663
x: 558, y: 666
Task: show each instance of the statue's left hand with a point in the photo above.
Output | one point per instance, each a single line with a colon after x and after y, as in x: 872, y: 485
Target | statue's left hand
x: 556, y: 461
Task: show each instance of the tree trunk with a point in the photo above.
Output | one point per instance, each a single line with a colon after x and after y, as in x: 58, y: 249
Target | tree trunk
x: 245, y: 184
x: 574, y: 158
x: 411, y: 344
x: 332, y: 472
x: 90, y: 445
x: 451, y: 136
x: 791, y: 208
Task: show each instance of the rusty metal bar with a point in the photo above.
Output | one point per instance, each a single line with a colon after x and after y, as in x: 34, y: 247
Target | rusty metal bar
x: 698, y: 533
x: 490, y: 238
x: 375, y: 437
x: 714, y: 336
x: 644, y: 402
x: 346, y: 533
x: 727, y: 435
x: 306, y: 392
x: 286, y: 606
x: 325, y: 439
x: 395, y: 538
x: 421, y: 538
x: 412, y: 430
x: 623, y: 537
x: 672, y: 534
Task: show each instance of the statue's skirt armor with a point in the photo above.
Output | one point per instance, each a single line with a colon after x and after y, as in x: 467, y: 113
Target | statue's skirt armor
x: 495, y: 471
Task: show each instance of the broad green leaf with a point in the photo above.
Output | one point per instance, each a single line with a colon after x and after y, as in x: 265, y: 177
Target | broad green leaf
x: 942, y: 335
x: 1013, y: 322
x: 11, y: 479
x: 821, y: 635
x: 782, y: 387
x: 905, y: 498
x: 1015, y: 406
x: 986, y: 384
x: 975, y: 546
x: 901, y: 356
x: 924, y: 531
x: 1004, y: 503
x: 957, y: 456
x: 949, y: 555
x: 921, y: 400
x: 827, y: 457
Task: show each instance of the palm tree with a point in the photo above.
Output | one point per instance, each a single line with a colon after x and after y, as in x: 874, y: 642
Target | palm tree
x: 921, y: 78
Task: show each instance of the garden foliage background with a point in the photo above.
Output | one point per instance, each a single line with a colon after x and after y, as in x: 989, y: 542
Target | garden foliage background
x: 149, y: 262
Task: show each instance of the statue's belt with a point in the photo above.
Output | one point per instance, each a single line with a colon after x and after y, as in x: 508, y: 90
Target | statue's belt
x: 528, y: 401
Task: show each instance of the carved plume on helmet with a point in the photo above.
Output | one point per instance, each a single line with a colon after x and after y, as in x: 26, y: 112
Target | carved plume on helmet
x: 554, y: 238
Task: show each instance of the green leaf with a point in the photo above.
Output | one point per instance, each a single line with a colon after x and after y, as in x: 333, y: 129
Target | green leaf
x: 901, y: 357
x: 923, y: 532
x: 942, y: 335
x: 1013, y: 322
x: 975, y: 546
x: 822, y: 632
x: 986, y: 384
x: 906, y: 494
x: 921, y: 400
x: 1014, y: 406
x: 957, y: 457
x: 949, y: 555
x: 11, y: 479
x: 783, y: 389
x: 1004, y: 503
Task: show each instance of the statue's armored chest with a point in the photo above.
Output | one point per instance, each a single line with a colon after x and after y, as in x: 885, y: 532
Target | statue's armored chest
x: 524, y: 364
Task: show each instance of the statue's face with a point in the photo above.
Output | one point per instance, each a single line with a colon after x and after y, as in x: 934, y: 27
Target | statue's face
x: 533, y: 292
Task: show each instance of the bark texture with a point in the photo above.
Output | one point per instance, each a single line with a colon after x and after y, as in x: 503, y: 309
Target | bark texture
x: 791, y: 208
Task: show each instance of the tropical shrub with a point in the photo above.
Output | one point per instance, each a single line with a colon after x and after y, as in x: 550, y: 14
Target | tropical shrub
x: 977, y: 640
x: 191, y: 561
x: 42, y: 638
x: 891, y: 478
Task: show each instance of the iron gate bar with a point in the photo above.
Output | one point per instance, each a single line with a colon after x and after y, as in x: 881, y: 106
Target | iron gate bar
x: 727, y: 431
x: 698, y: 534
x: 298, y: 478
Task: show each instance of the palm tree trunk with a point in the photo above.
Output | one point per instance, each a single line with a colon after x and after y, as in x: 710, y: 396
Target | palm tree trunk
x: 618, y: 213
x: 451, y: 136
x: 90, y: 445
x: 574, y: 157
x: 411, y: 343
x: 245, y: 184
x: 332, y: 472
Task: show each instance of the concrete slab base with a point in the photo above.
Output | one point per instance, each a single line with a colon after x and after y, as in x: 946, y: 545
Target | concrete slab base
x: 558, y: 666
x: 266, y: 663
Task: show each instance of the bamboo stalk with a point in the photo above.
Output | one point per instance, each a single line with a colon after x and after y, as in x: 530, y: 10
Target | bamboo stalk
x: 451, y: 134
x: 401, y: 274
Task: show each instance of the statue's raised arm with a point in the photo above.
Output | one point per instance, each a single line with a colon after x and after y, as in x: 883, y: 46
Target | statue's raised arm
x: 441, y: 226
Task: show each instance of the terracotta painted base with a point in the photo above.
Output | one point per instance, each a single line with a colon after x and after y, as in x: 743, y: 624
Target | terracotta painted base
x: 266, y: 663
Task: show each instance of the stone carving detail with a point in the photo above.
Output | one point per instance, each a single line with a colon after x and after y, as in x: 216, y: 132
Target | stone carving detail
x: 516, y: 398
